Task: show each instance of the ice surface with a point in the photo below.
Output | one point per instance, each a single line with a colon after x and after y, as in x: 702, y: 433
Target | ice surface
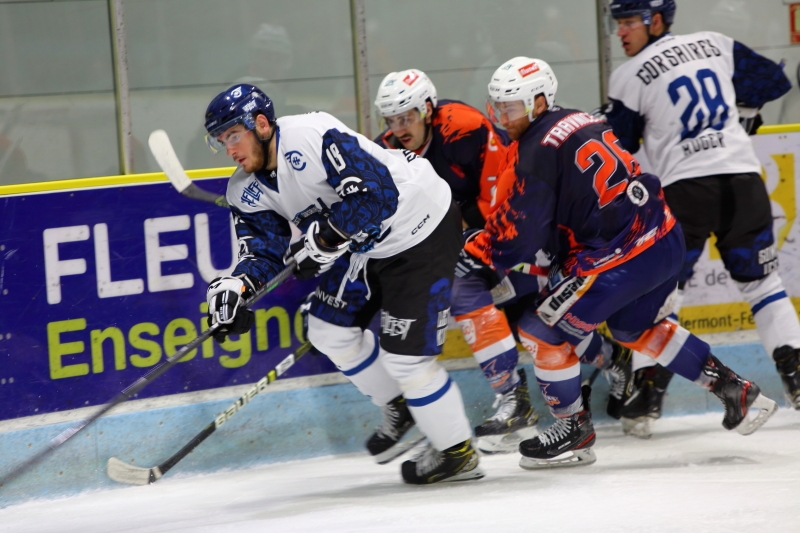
x: 692, y: 476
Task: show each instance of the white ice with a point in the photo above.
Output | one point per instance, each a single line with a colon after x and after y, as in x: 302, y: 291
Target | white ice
x: 692, y: 476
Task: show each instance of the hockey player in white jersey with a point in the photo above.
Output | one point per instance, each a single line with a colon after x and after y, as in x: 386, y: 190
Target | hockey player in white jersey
x: 374, y: 217
x: 684, y: 96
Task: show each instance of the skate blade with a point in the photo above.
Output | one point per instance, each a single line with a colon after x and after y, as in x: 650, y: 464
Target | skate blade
x: 475, y: 473
x: 509, y: 443
x: 759, y: 412
x: 413, y: 438
x: 583, y: 457
x: 639, y: 427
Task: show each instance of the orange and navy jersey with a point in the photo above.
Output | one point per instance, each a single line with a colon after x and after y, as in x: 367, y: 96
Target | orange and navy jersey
x: 577, y: 195
x: 465, y: 150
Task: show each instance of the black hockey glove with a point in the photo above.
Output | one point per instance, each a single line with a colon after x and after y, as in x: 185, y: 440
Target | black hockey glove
x: 468, y: 265
x: 312, y: 258
x: 224, y: 297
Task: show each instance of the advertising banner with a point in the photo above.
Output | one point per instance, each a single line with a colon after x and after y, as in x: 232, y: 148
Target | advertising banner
x: 99, y: 285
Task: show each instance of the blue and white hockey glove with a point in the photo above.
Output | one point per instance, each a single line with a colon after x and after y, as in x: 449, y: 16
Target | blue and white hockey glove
x: 224, y: 297
x: 312, y: 258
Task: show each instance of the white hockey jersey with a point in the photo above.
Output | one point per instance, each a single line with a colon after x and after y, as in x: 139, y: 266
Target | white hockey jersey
x: 681, y: 92
x: 385, y: 201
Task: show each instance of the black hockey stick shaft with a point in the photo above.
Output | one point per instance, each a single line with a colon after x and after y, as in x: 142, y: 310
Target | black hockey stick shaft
x: 139, y: 384
x: 593, y: 376
x: 196, y: 193
x: 271, y: 376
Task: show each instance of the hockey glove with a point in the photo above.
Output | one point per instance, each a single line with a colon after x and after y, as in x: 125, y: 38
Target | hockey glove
x: 311, y: 257
x: 224, y: 297
x: 469, y: 265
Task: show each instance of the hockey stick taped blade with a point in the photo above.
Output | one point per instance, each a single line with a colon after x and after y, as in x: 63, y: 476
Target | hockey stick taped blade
x: 162, y: 150
x: 122, y: 472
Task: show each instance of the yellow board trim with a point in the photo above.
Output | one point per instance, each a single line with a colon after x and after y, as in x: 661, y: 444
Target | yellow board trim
x: 106, y: 181
x: 778, y: 128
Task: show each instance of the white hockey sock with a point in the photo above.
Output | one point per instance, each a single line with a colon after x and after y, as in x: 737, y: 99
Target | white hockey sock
x: 640, y: 360
x: 434, y: 399
x: 356, y: 354
x: 775, y: 316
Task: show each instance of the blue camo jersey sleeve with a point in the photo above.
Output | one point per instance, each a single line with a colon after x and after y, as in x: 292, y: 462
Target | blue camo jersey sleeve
x: 756, y: 79
x: 369, y: 195
x: 263, y: 237
x: 628, y: 125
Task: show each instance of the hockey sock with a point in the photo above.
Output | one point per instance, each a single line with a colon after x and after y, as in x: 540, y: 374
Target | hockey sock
x: 595, y: 350
x: 433, y: 398
x: 775, y: 316
x: 355, y: 353
x: 489, y: 337
x: 558, y: 372
x: 673, y: 347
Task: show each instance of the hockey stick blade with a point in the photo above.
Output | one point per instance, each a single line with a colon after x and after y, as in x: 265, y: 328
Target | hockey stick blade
x: 140, y: 383
x: 162, y: 150
x: 135, y: 475
x: 122, y: 472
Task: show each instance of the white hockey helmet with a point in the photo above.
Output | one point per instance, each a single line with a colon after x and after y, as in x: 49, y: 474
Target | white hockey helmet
x: 522, y: 78
x: 405, y: 90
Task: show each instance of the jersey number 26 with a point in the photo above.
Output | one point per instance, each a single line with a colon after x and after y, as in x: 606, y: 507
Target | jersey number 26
x: 609, y: 154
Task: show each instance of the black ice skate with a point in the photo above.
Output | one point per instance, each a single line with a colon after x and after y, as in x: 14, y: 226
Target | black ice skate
x: 457, y: 463
x: 738, y: 396
x: 620, y: 378
x: 787, y: 359
x: 387, y: 442
x: 514, y: 421
x: 568, y: 442
x: 644, y: 404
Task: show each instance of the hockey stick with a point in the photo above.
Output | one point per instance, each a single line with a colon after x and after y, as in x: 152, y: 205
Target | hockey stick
x: 140, y: 383
x: 593, y: 376
x: 134, y: 475
x: 162, y: 150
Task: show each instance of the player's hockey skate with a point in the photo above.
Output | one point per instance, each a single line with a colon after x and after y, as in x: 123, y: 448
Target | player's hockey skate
x: 387, y: 443
x: 568, y: 442
x: 787, y: 360
x: 643, y: 407
x: 457, y: 463
x: 746, y: 409
x: 620, y: 378
x: 514, y: 421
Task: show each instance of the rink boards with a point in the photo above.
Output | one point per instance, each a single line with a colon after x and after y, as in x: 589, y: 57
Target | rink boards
x: 95, y: 296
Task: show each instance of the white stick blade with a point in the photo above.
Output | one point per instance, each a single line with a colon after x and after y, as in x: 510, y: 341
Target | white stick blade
x: 122, y: 472
x: 162, y: 150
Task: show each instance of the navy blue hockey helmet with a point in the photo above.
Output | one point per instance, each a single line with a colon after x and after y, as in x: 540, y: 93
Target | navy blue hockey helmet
x: 645, y: 8
x: 239, y: 104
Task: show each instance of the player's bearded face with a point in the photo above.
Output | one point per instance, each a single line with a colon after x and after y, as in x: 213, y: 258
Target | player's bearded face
x: 633, y: 34
x: 409, y: 128
x: 243, y: 147
x: 511, y: 116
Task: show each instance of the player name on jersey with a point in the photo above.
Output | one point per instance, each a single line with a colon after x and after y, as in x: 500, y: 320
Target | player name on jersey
x: 674, y: 56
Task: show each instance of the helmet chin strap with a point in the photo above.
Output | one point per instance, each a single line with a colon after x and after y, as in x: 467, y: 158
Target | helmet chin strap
x: 265, y: 146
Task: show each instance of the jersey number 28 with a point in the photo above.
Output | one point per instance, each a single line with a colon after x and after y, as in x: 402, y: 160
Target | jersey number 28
x: 705, y: 118
x: 610, y: 154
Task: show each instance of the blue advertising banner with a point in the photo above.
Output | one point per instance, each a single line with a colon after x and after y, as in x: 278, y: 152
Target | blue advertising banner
x: 99, y: 285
